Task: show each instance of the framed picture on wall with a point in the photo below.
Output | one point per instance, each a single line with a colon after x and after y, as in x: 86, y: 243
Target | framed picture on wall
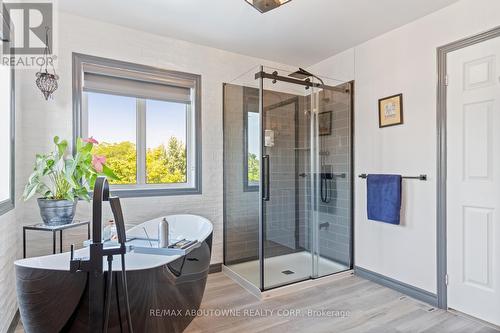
x: 390, y: 111
x: 325, y: 123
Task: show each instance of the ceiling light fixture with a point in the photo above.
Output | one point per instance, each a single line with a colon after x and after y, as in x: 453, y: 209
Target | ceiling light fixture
x: 266, y: 5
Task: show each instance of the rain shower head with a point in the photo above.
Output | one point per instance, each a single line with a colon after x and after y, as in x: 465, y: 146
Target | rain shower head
x: 302, y: 74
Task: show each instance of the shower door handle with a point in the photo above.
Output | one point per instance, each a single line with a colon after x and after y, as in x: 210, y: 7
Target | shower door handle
x: 266, y: 185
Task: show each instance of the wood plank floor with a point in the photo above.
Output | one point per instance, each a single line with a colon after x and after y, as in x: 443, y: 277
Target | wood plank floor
x: 368, y: 307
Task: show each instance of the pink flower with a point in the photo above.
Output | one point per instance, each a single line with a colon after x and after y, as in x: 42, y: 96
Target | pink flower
x: 91, y: 140
x: 98, y: 162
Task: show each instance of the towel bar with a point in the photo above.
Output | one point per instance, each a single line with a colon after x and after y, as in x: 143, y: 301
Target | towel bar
x: 421, y: 177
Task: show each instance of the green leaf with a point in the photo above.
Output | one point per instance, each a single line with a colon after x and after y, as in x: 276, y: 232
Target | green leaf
x: 85, y: 196
x: 44, y: 191
x: 33, y: 177
x: 69, y: 168
x: 109, y: 173
x: 29, y: 191
x: 86, y: 148
x: 69, y: 196
x: 61, y: 148
x: 49, y: 164
x: 92, y: 180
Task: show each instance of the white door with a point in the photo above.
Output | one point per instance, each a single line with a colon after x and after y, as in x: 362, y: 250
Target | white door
x: 473, y: 182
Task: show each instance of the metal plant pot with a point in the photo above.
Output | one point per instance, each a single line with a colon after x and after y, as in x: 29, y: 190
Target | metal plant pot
x: 57, y: 212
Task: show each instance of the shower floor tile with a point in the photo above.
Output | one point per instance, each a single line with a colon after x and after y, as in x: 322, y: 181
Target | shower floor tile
x: 285, y: 269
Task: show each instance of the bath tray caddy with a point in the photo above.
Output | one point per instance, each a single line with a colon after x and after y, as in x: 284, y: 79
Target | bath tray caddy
x: 150, y: 246
x: 144, y: 247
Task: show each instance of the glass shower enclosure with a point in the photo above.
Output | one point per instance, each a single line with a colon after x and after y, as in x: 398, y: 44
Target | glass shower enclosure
x: 287, y: 177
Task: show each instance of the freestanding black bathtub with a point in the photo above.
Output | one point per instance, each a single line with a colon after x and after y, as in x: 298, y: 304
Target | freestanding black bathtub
x: 164, y: 291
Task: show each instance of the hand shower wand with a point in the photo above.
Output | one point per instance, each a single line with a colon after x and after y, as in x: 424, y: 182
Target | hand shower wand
x: 120, y: 228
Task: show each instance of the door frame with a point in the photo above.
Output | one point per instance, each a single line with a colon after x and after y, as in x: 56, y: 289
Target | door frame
x: 442, y: 53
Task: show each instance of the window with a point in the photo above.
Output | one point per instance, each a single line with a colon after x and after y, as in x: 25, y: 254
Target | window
x: 147, y: 122
x: 253, y: 148
x: 166, y: 161
x: 117, y: 142
x: 7, y: 111
x: 251, y: 159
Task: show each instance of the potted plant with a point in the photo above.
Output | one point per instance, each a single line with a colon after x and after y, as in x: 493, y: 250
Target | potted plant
x: 61, y: 179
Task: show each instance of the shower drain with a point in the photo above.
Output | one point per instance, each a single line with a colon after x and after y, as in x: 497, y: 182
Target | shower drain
x: 288, y: 272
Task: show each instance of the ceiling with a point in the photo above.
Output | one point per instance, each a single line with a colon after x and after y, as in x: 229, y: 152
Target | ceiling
x: 301, y: 32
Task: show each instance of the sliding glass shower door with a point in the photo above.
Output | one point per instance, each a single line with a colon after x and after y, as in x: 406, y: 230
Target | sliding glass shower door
x: 288, y: 218
x: 285, y: 232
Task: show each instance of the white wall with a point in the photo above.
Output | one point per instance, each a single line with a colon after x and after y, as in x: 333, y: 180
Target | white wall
x: 403, y: 61
x: 44, y: 119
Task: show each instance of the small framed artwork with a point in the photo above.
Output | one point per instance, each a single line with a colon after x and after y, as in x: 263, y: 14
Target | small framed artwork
x: 325, y: 123
x: 390, y: 111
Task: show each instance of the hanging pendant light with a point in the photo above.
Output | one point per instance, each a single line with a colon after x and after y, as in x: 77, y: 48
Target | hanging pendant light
x: 45, y: 81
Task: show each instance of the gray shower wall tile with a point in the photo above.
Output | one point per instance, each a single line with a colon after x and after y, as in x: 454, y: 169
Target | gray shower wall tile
x: 241, y: 208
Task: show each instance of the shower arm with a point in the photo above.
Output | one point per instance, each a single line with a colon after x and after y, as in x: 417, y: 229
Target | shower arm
x: 312, y: 75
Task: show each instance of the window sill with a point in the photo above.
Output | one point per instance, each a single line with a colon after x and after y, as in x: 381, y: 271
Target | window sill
x: 154, y: 192
x: 6, y: 206
x: 251, y: 188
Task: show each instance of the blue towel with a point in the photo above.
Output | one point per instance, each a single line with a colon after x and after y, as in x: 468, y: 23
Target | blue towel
x: 384, y: 198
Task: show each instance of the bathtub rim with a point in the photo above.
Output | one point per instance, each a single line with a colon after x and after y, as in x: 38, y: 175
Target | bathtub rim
x: 134, y: 261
